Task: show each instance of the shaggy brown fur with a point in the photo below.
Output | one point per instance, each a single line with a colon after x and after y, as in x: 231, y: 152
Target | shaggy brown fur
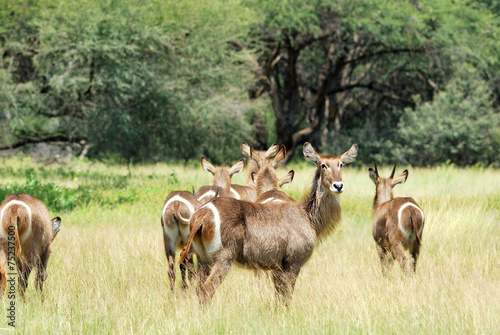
x: 397, y: 222
x: 32, y: 239
x: 277, y: 237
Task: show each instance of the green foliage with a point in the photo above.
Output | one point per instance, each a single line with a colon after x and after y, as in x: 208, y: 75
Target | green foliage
x: 133, y: 79
x: 55, y: 197
x: 289, y: 16
x: 168, y: 80
x: 459, y: 126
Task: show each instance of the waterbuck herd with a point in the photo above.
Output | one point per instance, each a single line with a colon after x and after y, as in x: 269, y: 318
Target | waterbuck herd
x: 256, y: 225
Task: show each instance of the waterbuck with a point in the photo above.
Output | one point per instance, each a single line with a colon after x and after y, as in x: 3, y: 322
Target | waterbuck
x: 275, y: 194
x: 26, y: 233
x: 274, y: 236
x: 177, y: 210
x: 222, y: 180
x: 397, y: 222
x: 248, y: 191
x: 266, y: 181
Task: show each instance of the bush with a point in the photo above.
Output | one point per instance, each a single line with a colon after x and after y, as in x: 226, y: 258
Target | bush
x: 55, y: 197
x: 460, y: 126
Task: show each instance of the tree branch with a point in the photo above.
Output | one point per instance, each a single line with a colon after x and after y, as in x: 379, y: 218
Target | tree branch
x: 374, y: 87
x: 303, y: 41
x: 384, y: 52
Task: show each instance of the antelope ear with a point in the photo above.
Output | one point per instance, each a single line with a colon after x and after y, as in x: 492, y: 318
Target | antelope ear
x: 255, y: 157
x: 350, y: 155
x: 207, y: 166
x: 279, y: 156
x: 373, y: 175
x: 238, y: 167
x: 401, y: 179
x: 286, y: 179
x: 56, y: 226
x: 245, y: 149
x: 253, y: 175
x: 272, y: 151
x: 310, y: 154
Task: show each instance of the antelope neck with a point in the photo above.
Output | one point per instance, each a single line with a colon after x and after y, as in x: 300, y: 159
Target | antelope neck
x: 382, y: 195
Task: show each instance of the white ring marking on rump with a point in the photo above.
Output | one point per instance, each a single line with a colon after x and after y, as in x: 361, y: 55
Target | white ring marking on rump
x: 400, y: 225
x: 206, y: 194
x: 272, y: 199
x: 236, y: 194
x: 170, y: 233
x: 216, y: 243
x: 27, y: 233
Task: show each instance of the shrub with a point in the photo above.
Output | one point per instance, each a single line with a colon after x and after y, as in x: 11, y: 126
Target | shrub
x: 460, y: 126
x: 55, y: 197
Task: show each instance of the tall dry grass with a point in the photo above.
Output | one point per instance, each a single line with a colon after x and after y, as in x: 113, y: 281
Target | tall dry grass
x: 108, y: 272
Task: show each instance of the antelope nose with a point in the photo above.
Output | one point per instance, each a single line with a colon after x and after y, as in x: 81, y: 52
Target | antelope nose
x: 337, y: 187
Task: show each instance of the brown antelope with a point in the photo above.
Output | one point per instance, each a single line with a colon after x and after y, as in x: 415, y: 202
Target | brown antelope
x: 275, y: 194
x: 222, y: 180
x: 27, y: 231
x: 177, y: 210
x: 248, y: 191
x: 266, y: 181
x: 274, y: 236
x: 397, y: 222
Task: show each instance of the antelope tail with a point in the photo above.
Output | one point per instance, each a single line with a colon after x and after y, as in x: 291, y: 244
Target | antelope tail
x: 16, y: 222
x: 180, y: 218
x: 197, y: 226
x: 414, y: 230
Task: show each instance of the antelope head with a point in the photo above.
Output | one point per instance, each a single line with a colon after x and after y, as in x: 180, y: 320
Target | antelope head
x: 330, y: 167
x: 384, y: 186
x: 222, y: 175
x: 270, y: 153
x: 265, y: 177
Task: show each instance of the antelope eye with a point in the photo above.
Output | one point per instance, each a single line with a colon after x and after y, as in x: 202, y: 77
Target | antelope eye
x: 340, y: 165
x: 324, y: 166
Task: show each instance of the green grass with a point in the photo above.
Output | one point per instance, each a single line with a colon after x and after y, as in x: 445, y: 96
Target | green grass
x: 108, y: 272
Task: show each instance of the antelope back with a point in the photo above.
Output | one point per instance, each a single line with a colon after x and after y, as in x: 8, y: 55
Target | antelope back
x: 33, y: 216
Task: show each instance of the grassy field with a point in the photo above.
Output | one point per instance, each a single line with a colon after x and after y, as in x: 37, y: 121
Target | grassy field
x: 108, y: 271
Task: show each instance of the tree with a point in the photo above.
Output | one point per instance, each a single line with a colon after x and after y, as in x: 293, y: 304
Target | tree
x: 143, y: 81
x: 331, y: 66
